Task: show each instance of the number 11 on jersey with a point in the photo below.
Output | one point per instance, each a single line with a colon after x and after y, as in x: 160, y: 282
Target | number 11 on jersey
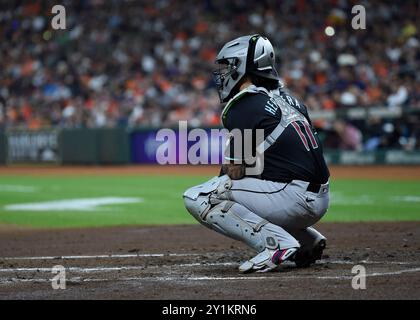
x: 305, y: 137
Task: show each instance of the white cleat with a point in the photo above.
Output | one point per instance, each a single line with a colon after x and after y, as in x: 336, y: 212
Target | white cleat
x: 267, y: 260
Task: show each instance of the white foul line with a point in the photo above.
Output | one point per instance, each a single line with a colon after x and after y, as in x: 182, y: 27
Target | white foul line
x: 280, y: 277
x: 366, y: 262
x: 107, y: 269
x: 157, y: 255
x: 375, y: 274
x: 122, y: 268
x: 104, y: 256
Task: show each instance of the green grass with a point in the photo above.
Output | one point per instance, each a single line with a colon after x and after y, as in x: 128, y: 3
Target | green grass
x: 374, y: 200
x: 352, y: 200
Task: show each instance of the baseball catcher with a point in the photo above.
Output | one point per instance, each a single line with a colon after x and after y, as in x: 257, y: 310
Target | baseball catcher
x: 271, y: 209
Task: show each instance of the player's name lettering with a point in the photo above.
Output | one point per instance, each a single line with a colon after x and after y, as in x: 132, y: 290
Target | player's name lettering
x: 270, y: 107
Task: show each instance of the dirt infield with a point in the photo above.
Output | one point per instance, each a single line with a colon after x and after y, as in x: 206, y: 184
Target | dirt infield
x: 190, y: 262
x: 368, y: 172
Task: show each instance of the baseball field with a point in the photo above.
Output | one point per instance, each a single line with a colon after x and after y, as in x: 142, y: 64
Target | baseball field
x: 123, y: 232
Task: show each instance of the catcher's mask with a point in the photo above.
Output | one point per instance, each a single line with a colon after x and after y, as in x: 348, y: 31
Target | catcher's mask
x: 253, y: 55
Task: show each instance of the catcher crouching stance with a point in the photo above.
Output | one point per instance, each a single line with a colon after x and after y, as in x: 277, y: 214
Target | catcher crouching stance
x: 271, y: 212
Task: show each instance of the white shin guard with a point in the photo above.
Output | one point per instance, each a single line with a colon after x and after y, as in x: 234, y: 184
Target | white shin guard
x: 209, y: 203
x: 250, y: 230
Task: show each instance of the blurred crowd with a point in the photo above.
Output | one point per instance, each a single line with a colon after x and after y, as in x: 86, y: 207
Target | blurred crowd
x: 148, y: 63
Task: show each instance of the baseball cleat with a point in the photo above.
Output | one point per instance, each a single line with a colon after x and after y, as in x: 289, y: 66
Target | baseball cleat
x: 305, y: 258
x: 267, y: 260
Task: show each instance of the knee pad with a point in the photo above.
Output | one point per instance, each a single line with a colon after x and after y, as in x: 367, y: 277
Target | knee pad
x: 199, y: 199
x: 198, y: 207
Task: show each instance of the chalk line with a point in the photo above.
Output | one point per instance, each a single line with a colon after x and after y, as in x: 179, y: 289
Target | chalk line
x: 122, y: 268
x: 104, y: 256
x: 160, y: 255
x: 279, y: 276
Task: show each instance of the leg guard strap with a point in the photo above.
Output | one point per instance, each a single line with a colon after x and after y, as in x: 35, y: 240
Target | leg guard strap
x: 225, y: 220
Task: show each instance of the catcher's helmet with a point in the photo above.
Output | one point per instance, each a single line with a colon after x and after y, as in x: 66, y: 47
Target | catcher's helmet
x: 253, y: 55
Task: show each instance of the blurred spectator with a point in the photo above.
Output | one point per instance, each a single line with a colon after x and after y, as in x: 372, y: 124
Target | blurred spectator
x: 148, y: 63
x: 350, y: 136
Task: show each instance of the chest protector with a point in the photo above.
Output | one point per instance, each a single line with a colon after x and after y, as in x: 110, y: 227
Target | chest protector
x: 289, y: 113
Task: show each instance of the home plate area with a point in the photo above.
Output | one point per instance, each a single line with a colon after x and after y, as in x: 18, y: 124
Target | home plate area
x: 209, y: 272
